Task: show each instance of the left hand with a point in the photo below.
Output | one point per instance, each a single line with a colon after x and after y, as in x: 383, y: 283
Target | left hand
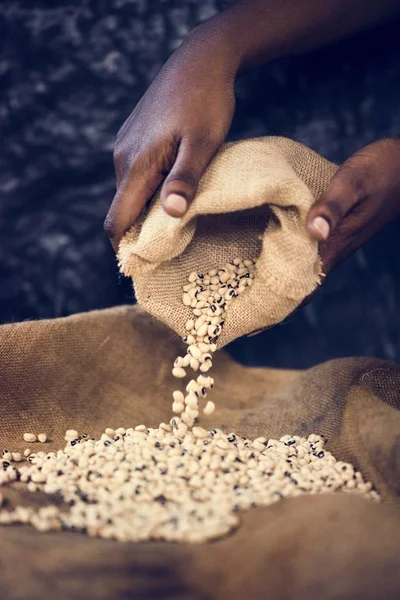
x: 363, y: 196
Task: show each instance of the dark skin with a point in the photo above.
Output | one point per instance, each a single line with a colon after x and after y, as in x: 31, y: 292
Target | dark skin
x: 185, y: 115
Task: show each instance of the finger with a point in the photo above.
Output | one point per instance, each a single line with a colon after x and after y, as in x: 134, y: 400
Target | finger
x: 345, y: 191
x: 144, y: 177
x: 179, y: 188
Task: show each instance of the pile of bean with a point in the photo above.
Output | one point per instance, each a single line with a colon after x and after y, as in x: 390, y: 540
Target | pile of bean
x: 177, y: 482
x: 143, y: 484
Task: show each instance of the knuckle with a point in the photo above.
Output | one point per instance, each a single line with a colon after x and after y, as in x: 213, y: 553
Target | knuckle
x: 118, y: 155
x: 125, y: 154
x: 109, y: 227
x: 186, y: 175
x: 355, y: 178
x: 390, y: 145
x: 335, y: 209
x: 127, y: 128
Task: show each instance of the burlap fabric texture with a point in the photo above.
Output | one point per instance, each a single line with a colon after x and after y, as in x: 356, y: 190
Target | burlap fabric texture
x: 113, y: 368
x: 252, y: 202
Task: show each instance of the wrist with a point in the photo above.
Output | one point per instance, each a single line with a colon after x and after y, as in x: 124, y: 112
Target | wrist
x: 242, y: 36
x: 246, y: 33
x: 219, y: 42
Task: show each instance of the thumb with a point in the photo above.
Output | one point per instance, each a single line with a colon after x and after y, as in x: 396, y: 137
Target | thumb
x: 180, y: 186
x: 345, y: 191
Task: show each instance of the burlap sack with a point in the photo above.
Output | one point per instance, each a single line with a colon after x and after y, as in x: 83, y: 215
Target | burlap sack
x: 252, y: 202
x: 113, y: 368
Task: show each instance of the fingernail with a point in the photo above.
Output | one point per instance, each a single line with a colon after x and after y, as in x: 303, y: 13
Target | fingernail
x: 321, y: 226
x: 176, y: 205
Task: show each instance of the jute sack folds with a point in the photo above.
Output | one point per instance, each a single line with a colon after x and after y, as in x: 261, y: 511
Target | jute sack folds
x: 252, y: 202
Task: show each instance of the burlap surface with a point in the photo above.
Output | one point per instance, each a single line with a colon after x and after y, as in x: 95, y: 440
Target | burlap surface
x: 252, y: 202
x: 113, y: 368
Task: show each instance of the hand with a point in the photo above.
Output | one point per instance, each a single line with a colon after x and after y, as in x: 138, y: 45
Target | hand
x: 363, y: 196
x: 174, y: 131
x: 184, y: 117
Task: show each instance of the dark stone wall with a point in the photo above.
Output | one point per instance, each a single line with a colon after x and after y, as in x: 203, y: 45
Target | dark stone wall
x: 70, y: 73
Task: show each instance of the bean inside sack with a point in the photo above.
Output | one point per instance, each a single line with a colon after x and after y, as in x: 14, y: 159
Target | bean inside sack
x: 252, y: 201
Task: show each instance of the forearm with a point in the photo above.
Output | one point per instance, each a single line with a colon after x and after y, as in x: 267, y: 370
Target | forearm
x: 258, y: 31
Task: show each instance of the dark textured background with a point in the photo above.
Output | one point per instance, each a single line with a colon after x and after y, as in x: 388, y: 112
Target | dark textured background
x: 71, y: 72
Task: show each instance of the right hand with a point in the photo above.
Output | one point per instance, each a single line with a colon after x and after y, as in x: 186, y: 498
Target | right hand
x: 174, y: 131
